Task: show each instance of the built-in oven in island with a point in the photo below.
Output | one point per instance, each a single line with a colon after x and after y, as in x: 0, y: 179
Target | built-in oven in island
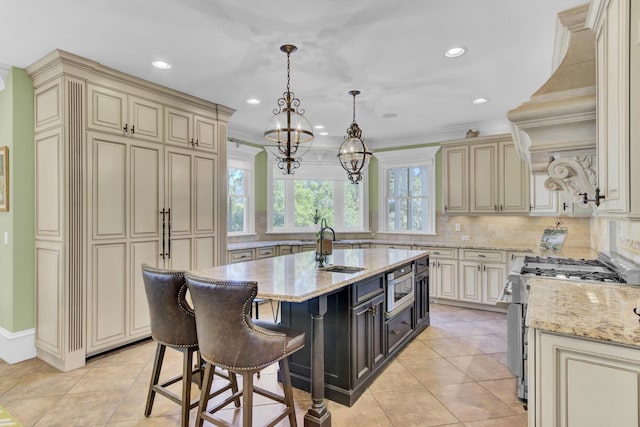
x: 400, y: 290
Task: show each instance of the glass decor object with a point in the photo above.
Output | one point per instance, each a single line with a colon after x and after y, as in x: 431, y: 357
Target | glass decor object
x: 353, y: 153
x: 288, y: 128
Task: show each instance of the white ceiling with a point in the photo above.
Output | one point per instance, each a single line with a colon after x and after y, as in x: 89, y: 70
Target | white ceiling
x: 226, y: 51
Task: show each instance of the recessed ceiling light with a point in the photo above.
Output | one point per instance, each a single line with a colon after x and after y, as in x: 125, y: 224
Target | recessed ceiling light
x: 455, y: 52
x: 323, y: 133
x: 253, y: 101
x: 318, y: 127
x: 480, y: 100
x: 389, y: 115
x: 161, y: 65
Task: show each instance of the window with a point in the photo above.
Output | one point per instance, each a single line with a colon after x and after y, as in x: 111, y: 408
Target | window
x: 240, y: 189
x: 407, y: 190
x: 319, y: 184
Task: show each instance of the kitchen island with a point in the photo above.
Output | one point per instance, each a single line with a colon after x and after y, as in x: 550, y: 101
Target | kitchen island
x: 296, y: 282
x: 584, y: 353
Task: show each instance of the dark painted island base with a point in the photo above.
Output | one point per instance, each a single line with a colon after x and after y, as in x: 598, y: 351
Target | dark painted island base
x: 359, y: 337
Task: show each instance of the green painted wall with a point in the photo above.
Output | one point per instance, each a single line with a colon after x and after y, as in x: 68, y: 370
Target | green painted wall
x: 17, y: 277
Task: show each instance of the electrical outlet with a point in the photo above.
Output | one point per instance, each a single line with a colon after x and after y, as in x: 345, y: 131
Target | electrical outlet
x: 458, y: 228
x: 466, y: 237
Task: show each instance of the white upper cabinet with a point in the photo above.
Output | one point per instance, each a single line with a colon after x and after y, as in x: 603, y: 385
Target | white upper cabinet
x: 616, y: 24
x: 187, y: 129
x: 484, y: 175
x: 115, y: 111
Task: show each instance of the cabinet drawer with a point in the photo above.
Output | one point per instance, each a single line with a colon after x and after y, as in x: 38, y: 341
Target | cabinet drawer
x: 363, y: 291
x: 239, y: 256
x: 440, y: 253
x: 399, y: 328
x: 286, y: 249
x: 482, y: 255
x: 267, y: 252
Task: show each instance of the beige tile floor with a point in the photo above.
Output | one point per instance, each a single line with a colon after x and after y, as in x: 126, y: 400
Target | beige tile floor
x: 452, y: 374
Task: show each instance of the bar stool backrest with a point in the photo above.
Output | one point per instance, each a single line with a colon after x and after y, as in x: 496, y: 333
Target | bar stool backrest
x: 227, y: 335
x: 172, y: 319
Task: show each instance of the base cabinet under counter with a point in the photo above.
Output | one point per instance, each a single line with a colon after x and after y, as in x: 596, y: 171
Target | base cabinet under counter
x: 582, y: 382
x: 359, y: 338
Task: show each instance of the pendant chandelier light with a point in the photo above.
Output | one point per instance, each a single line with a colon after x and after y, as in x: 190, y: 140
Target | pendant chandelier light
x: 353, y: 153
x: 288, y: 128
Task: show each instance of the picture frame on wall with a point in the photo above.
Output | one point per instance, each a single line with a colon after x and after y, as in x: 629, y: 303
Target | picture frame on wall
x: 4, y: 179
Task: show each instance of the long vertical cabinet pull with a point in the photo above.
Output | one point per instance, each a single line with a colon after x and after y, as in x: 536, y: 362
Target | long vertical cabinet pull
x: 163, y: 212
x: 169, y: 236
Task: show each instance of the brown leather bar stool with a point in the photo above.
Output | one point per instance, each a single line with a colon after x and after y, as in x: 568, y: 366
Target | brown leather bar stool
x: 229, y: 338
x: 173, y: 325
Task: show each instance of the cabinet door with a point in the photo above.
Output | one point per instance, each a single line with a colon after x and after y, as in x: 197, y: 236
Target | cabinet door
x: 447, y: 278
x: 493, y: 276
x: 470, y: 281
x: 483, y: 183
x: 191, y: 195
x: 513, y: 180
x: 422, y: 298
x: 205, y: 130
x: 145, y: 119
x: 434, y: 279
x: 107, y: 296
x: 456, y: 179
x: 367, y: 323
x: 178, y: 127
x: 585, y: 383
x: 612, y: 46
x: 543, y: 201
x: 106, y: 109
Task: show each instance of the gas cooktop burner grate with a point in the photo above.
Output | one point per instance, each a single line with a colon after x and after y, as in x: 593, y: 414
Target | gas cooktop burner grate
x: 599, y: 276
x: 561, y: 261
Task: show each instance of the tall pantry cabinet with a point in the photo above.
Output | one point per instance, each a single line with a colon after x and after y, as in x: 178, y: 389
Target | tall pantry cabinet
x: 127, y: 172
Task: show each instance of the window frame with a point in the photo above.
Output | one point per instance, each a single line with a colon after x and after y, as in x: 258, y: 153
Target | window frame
x: 317, y: 164
x: 406, y: 158
x: 241, y: 156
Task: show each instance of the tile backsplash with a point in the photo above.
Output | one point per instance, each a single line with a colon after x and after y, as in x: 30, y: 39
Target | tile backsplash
x: 489, y: 230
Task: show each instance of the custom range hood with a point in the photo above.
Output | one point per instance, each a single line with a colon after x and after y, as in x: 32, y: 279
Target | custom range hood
x: 555, y: 131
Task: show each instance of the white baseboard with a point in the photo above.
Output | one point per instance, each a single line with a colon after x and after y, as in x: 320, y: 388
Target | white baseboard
x: 17, y: 346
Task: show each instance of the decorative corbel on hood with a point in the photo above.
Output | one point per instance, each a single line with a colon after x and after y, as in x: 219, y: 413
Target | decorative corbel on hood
x: 573, y: 175
x: 555, y: 131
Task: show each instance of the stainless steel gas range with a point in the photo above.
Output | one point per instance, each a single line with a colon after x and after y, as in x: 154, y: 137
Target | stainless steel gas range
x: 606, y: 269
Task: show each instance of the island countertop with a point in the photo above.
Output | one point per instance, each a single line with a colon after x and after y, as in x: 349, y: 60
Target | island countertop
x: 296, y: 278
x: 585, y: 309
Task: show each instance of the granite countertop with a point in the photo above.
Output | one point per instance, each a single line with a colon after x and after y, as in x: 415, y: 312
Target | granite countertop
x: 267, y: 243
x: 585, y: 309
x: 295, y: 277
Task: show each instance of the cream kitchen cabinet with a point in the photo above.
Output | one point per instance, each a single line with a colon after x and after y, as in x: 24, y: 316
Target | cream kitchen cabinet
x: 482, y: 275
x: 114, y: 111
x: 553, y: 203
x: 443, y: 272
x: 99, y: 195
x: 148, y: 204
x: 241, y: 255
x: 455, y: 170
x: 616, y: 24
x: 581, y: 382
x: 485, y: 176
x: 189, y: 129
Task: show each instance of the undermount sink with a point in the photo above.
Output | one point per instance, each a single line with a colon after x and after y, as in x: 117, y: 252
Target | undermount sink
x: 341, y: 269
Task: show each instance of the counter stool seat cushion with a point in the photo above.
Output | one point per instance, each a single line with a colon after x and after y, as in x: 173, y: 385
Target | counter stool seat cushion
x: 294, y: 338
